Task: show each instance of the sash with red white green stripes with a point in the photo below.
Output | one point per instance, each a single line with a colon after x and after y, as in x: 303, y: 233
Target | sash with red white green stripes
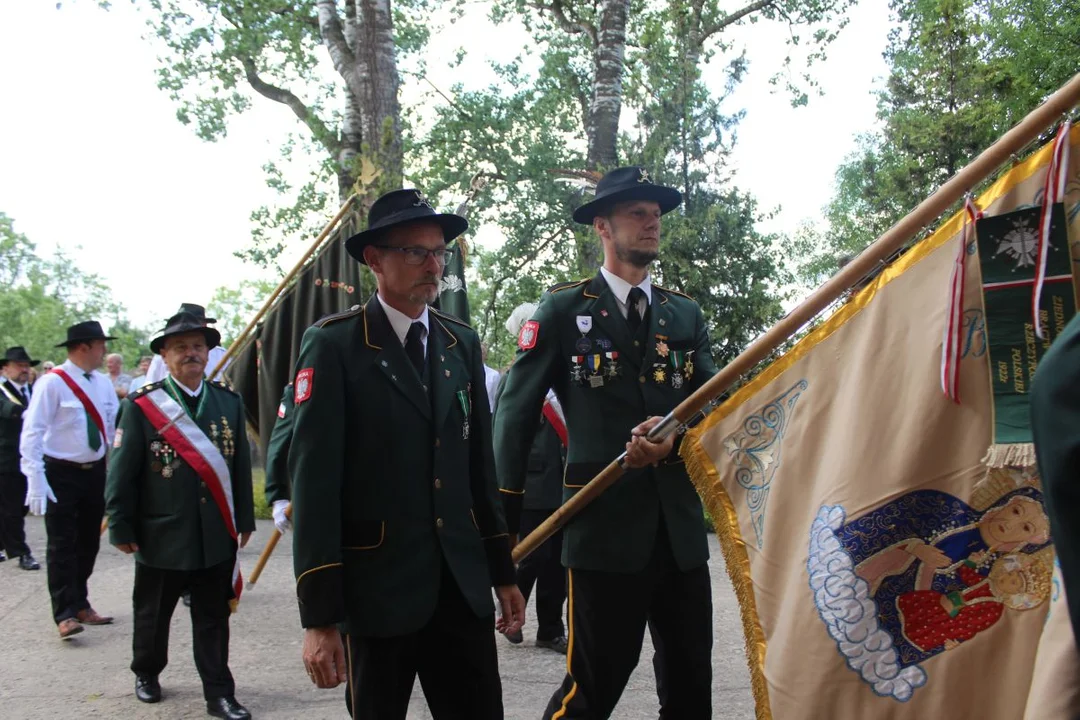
x: 172, y: 422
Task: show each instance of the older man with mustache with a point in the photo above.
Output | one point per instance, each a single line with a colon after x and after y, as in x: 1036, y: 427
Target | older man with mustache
x: 399, y: 535
x: 179, y: 498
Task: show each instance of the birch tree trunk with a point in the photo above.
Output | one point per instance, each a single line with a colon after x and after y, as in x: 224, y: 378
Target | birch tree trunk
x: 605, y: 106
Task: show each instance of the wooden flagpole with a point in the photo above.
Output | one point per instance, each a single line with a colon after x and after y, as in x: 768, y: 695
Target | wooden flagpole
x: 1027, y: 130
x: 241, y: 340
x: 271, y: 543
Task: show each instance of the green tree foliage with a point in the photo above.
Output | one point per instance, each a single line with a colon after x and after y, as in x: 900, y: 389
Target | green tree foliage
x: 962, y: 72
x: 234, y: 306
x: 40, y: 298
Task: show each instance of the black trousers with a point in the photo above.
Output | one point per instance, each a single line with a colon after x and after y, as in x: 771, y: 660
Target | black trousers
x: 155, y: 595
x: 454, y: 655
x: 608, y: 615
x: 543, y: 568
x: 73, y: 525
x: 12, y: 512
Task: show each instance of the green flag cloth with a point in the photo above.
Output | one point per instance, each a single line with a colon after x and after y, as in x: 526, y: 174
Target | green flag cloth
x: 453, y: 297
x: 1007, y: 258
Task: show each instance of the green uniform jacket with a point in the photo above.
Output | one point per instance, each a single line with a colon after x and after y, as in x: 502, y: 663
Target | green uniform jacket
x: 11, y: 423
x: 278, y: 486
x: 1055, y: 422
x: 385, y: 484
x: 617, y: 532
x: 174, y: 520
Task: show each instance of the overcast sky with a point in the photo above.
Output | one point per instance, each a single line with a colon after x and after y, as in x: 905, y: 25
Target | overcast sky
x: 92, y: 157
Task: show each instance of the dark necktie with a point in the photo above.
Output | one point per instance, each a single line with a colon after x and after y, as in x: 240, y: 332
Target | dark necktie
x: 93, y: 435
x: 25, y: 395
x: 633, y: 315
x: 414, y: 348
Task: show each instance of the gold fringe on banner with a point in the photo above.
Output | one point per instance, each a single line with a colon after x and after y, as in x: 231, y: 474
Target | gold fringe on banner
x: 702, y: 471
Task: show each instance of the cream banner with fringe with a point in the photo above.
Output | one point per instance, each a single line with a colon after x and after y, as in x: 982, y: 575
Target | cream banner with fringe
x: 881, y: 571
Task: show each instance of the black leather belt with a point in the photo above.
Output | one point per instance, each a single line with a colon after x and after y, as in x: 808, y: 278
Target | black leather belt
x: 76, y: 465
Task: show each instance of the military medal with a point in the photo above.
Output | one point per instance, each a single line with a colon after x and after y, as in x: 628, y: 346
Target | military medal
x: 677, y: 364
x: 463, y: 400
x: 596, y: 378
x: 167, y: 471
x: 689, y: 364
x: 155, y: 466
x: 661, y: 347
x: 583, y: 345
x: 577, y: 372
x: 612, y: 370
x: 228, y: 446
x: 659, y: 375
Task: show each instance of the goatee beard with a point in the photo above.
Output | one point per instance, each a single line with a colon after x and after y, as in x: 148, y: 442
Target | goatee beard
x: 637, y: 258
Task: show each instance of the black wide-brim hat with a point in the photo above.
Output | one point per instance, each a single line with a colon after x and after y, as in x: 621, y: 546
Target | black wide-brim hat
x: 197, y: 310
x: 18, y: 354
x: 623, y: 185
x: 401, y: 207
x: 85, y: 332
x: 185, y: 323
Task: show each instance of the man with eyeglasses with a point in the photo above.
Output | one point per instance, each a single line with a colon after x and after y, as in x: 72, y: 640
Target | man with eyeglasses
x: 398, y: 530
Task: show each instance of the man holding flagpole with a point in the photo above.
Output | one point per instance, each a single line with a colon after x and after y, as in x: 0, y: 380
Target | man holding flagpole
x: 620, y: 352
x: 71, y: 415
x: 179, y: 498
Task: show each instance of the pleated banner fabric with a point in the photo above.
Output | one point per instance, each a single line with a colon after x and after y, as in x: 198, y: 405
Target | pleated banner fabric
x: 884, y: 568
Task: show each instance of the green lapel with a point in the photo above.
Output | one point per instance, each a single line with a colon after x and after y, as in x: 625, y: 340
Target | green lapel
x: 391, y: 358
x: 444, y: 354
x: 604, y: 309
x: 660, y: 323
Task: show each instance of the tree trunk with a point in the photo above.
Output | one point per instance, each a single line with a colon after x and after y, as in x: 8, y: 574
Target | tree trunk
x: 602, y: 123
x: 349, y: 148
x: 380, y: 110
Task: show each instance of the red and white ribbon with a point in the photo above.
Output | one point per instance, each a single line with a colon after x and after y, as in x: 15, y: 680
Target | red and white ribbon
x: 954, y: 316
x: 197, y: 450
x: 1053, y: 192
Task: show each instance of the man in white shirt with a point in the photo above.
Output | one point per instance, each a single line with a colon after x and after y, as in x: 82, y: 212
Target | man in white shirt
x: 66, y: 428
x: 491, y: 377
x: 158, y: 370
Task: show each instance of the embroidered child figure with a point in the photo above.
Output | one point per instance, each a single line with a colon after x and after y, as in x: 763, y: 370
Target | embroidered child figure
x: 931, y: 620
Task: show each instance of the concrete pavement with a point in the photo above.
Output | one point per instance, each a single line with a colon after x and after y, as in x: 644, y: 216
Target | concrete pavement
x: 88, y: 676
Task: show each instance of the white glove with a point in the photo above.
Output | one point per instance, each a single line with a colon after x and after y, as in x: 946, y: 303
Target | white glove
x: 281, y: 522
x: 38, y: 494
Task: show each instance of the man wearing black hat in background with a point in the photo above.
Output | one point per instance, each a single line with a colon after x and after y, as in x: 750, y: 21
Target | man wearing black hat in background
x: 158, y: 371
x: 66, y: 429
x: 14, y: 398
x: 398, y: 529
x: 180, y: 499
x: 620, y: 353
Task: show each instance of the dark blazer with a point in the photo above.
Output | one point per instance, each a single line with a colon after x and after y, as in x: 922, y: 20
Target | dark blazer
x: 617, y: 532
x: 278, y: 486
x: 158, y: 501
x: 1055, y: 422
x: 11, y: 423
x: 389, y: 481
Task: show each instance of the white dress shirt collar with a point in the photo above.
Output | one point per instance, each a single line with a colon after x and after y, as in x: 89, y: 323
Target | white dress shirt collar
x: 401, y: 322
x: 17, y: 386
x: 621, y: 288
x: 74, y: 371
x: 185, y: 388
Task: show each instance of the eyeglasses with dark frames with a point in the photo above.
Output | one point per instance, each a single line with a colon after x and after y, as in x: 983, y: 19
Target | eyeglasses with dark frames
x: 416, y: 255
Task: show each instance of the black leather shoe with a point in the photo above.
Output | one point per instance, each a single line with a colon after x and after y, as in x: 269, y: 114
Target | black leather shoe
x: 227, y: 707
x: 515, y: 637
x: 186, y: 597
x: 147, y: 689
x: 559, y: 644
x: 27, y: 562
x: 3, y: 557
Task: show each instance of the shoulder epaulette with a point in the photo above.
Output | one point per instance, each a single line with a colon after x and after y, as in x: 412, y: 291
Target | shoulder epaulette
x: 559, y: 287
x: 224, y: 386
x: 674, y: 292
x: 451, y: 318
x: 327, y: 319
x: 146, y: 388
